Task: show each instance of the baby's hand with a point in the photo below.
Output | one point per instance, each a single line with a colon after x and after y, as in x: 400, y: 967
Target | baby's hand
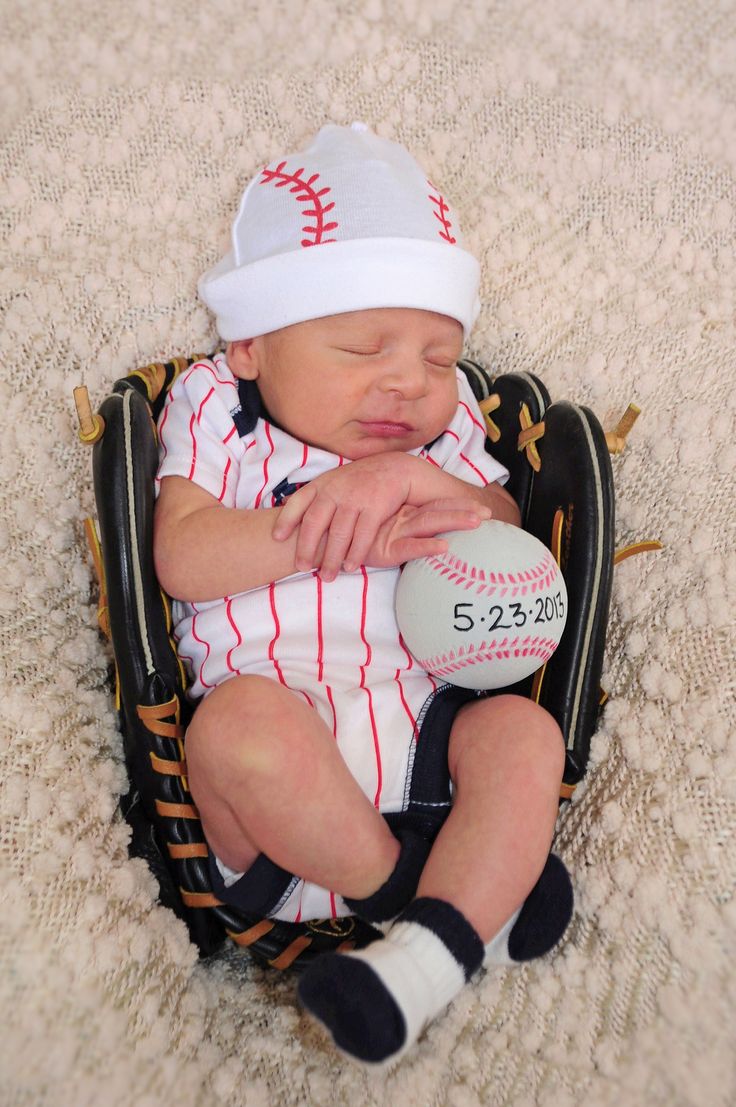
x: 340, y: 515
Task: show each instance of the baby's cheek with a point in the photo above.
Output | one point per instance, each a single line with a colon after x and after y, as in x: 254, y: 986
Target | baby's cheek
x: 443, y: 410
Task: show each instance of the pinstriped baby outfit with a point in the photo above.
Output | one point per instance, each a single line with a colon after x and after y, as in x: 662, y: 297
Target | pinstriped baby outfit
x: 335, y: 644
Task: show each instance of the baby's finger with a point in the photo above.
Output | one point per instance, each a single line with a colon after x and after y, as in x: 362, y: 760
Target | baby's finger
x: 364, y: 536
x: 429, y: 521
x: 467, y: 505
x: 292, y: 513
x: 339, y: 538
x: 407, y: 549
x: 315, y: 524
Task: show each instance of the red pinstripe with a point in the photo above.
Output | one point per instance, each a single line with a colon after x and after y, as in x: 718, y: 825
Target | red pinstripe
x: 161, y: 426
x: 194, y: 446
x: 397, y: 678
x: 334, y: 713
x: 320, y: 652
x: 202, y: 642
x: 209, y: 366
x: 228, y: 612
x: 277, y: 632
x: 475, y: 470
x: 223, y: 490
x: 369, y: 654
x: 467, y: 459
x: 431, y: 460
x: 405, y: 705
x: 191, y: 430
x: 429, y: 676
x: 320, y: 631
x: 272, y: 644
x: 259, y: 497
x: 409, y: 656
x: 200, y: 409
x: 473, y: 419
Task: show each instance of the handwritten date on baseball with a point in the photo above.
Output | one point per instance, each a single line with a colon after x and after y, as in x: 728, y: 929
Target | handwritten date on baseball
x: 543, y: 610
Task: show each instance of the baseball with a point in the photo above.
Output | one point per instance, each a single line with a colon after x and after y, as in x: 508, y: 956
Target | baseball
x: 488, y: 612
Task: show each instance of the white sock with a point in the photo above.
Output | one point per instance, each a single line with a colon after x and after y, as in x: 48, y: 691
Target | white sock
x: 376, y: 1001
x: 497, y: 950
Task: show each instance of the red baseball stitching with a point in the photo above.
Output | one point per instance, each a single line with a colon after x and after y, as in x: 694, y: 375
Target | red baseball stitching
x: 467, y: 576
x: 304, y: 192
x: 502, y: 650
x: 442, y: 214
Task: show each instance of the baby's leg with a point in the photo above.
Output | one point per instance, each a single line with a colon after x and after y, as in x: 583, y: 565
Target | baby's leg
x: 267, y: 777
x: 506, y: 759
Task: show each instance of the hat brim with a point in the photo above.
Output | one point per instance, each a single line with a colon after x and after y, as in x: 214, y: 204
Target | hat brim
x: 337, y: 277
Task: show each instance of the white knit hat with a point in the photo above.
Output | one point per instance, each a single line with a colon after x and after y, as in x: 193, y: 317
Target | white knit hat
x: 385, y: 237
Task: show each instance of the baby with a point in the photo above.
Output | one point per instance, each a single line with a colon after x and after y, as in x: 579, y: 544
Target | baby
x: 334, y: 440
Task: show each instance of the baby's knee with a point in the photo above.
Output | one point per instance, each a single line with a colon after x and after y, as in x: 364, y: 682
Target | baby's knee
x: 514, y: 727
x: 237, y: 729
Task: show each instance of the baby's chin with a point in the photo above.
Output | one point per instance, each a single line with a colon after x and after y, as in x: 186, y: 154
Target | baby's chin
x: 371, y: 446
x: 369, y: 440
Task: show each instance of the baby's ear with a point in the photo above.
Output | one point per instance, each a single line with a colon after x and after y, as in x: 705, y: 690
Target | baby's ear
x: 243, y: 358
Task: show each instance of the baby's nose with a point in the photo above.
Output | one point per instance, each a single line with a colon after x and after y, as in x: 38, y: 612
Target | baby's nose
x: 408, y: 376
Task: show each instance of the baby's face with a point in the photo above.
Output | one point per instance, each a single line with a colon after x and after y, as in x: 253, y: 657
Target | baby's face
x: 360, y: 383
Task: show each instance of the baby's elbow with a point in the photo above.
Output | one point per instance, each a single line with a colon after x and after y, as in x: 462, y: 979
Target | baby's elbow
x: 514, y: 515
x: 166, y: 563
x: 504, y: 506
x: 163, y: 568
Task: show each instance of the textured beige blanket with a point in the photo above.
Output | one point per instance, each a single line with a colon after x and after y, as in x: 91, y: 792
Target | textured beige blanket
x: 591, y: 151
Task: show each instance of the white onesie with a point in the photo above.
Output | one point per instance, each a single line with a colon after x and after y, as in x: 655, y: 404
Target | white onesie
x: 336, y: 644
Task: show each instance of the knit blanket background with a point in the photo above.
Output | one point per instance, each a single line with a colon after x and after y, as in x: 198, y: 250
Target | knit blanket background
x: 590, y: 150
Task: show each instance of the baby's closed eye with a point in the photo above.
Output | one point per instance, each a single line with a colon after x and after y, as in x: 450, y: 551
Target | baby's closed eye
x: 442, y: 362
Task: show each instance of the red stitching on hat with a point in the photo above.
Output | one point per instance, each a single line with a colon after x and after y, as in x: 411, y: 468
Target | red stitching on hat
x: 304, y: 193
x: 442, y: 215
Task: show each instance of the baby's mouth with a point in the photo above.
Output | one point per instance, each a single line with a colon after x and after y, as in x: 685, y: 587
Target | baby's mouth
x: 385, y: 428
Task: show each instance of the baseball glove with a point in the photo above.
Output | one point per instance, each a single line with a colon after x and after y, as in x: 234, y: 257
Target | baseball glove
x: 560, y: 476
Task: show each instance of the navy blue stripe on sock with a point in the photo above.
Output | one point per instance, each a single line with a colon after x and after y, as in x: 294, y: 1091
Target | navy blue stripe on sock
x: 545, y: 914
x: 401, y: 885
x: 259, y: 891
x: 451, y: 927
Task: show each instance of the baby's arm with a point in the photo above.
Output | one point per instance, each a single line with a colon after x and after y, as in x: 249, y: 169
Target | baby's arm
x: 355, y: 501
x: 203, y: 551
x: 493, y: 496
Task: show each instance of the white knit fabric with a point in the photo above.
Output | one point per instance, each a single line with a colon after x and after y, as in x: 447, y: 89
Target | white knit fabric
x: 590, y: 151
